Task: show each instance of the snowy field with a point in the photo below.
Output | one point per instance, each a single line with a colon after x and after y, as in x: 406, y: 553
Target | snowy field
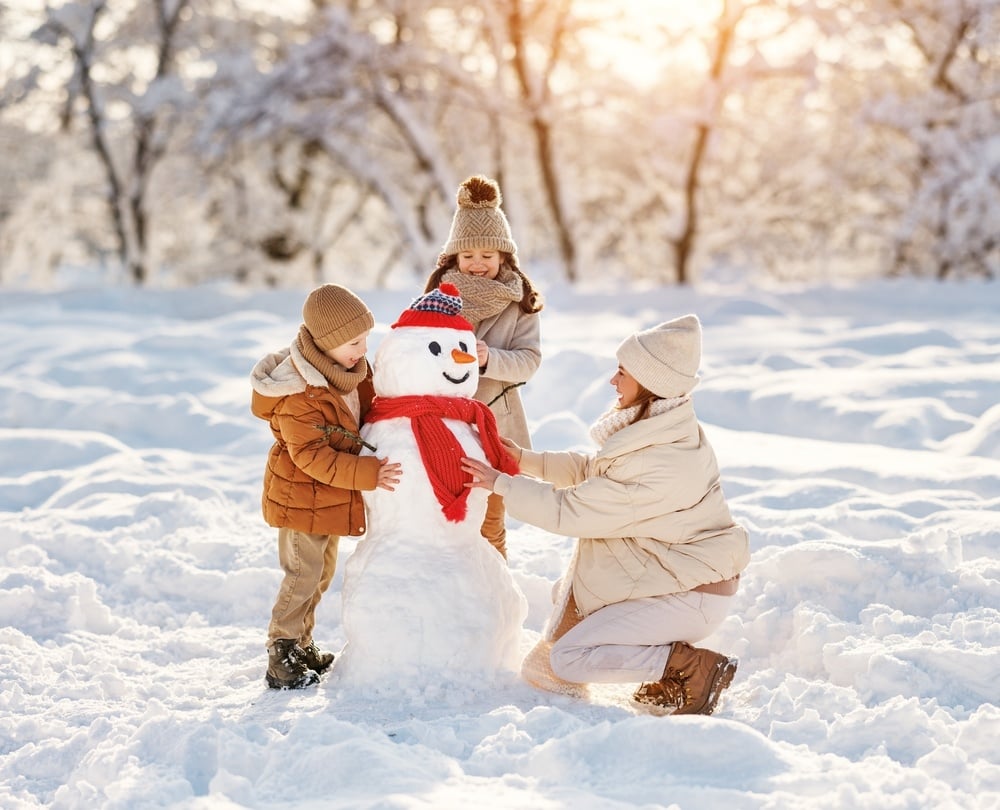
x: 858, y: 432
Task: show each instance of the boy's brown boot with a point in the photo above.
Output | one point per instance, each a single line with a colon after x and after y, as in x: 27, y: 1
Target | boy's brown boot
x: 317, y: 660
x: 691, y: 684
x: 287, y: 667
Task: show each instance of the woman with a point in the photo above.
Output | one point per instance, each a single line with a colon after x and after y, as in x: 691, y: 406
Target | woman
x: 659, y: 556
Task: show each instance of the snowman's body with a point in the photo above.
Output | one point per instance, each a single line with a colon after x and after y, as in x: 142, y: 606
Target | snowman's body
x: 424, y: 595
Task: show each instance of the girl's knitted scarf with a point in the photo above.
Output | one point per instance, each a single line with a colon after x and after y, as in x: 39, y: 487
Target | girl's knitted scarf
x: 440, y: 451
x: 341, y: 380
x: 617, y: 418
x: 483, y: 298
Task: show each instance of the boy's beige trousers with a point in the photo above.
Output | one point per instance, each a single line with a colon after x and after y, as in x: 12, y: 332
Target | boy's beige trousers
x: 309, y: 562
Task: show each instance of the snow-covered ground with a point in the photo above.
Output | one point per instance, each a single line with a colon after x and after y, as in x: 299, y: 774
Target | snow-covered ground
x: 858, y: 431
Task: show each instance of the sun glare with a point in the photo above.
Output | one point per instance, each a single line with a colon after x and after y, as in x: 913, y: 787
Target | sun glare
x: 638, y: 39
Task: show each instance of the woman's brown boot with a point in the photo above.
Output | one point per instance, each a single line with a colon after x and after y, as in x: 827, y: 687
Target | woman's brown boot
x: 691, y: 684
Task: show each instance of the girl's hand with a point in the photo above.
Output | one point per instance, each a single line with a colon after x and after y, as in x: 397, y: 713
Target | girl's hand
x: 483, y: 353
x: 388, y: 474
x: 483, y: 475
x: 513, y: 448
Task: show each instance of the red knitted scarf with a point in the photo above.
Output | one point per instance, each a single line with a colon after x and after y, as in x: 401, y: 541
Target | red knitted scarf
x: 440, y: 451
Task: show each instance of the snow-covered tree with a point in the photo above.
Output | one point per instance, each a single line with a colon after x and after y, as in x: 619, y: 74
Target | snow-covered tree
x: 348, y: 115
x: 123, y: 81
x: 319, y: 142
x: 945, y: 114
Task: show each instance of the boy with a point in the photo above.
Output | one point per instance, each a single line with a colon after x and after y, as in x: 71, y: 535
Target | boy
x: 314, y: 395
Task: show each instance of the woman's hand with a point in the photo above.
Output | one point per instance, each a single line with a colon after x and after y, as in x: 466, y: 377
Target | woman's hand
x: 483, y: 353
x: 388, y: 474
x: 483, y: 475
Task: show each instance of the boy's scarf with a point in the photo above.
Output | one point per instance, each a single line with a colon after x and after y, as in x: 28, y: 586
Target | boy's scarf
x: 342, y: 380
x: 440, y: 451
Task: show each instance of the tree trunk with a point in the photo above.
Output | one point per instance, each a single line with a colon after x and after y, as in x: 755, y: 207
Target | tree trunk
x: 543, y: 131
x: 684, y: 243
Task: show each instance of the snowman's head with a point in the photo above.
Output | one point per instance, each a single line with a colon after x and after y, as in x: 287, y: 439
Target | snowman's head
x: 430, y: 350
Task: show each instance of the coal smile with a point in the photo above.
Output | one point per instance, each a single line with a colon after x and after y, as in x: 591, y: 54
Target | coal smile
x: 451, y: 379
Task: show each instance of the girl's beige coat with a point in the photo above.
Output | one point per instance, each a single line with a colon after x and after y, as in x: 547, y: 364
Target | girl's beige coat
x: 513, y: 337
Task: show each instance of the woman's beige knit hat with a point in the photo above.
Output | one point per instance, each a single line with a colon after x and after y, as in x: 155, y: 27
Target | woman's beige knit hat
x: 334, y: 315
x: 479, y: 221
x: 665, y: 358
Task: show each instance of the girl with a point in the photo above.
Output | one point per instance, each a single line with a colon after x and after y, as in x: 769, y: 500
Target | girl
x: 480, y: 259
x: 659, y: 556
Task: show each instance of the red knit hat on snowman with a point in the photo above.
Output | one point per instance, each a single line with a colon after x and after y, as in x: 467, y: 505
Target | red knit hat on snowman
x: 440, y: 307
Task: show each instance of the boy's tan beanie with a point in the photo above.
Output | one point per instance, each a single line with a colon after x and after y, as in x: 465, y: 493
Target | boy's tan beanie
x: 479, y: 222
x: 665, y: 358
x: 334, y: 315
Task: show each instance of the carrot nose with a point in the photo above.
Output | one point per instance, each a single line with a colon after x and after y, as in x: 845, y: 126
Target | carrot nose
x: 462, y: 357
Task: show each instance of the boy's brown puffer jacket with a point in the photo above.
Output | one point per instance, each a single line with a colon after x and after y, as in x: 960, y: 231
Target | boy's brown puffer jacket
x: 314, y: 475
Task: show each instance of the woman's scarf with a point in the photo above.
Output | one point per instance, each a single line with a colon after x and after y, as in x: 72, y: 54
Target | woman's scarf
x: 341, y: 380
x: 614, y: 420
x: 483, y: 298
x: 440, y: 451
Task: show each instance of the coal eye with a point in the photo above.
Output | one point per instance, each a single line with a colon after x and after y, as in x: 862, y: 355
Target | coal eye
x: 435, y: 347
x: 463, y: 347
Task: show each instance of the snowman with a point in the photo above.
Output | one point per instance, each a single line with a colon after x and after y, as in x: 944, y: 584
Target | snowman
x: 425, y: 596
